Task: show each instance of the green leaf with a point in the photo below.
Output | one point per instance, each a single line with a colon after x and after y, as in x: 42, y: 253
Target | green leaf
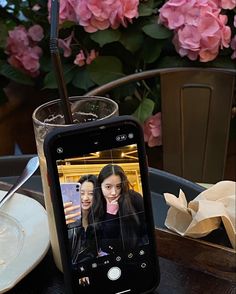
x: 124, y: 91
x: 105, y: 69
x: 45, y: 63
x: 128, y: 105
x: 157, y: 31
x: 174, y: 61
x: 152, y: 55
x: 3, y: 35
x: 144, y: 110
x: 132, y: 39
x: 106, y: 36
x: 82, y: 79
x: 15, y: 75
x: 224, y: 62
x: 50, y: 81
x: 145, y: 8
x: 67, y: 25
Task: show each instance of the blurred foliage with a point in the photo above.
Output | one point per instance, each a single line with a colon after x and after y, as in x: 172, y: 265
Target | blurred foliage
x: 143, y: 45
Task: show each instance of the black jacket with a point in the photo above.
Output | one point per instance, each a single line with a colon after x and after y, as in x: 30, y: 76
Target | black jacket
x: 83, y: 243
x: 124, y: 231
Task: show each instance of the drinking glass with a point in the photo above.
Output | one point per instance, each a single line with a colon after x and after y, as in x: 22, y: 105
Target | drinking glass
x: 49, y: 116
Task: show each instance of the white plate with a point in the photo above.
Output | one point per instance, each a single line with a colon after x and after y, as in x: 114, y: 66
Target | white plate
x: 24, y: 238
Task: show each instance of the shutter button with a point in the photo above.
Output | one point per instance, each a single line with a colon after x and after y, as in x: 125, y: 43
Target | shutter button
x: 114, y: 273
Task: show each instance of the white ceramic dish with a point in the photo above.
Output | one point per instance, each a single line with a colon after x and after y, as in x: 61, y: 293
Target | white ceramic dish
x: 24, y: 238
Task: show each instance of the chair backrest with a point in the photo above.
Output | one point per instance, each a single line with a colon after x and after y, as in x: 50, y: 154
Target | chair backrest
x: 196, y: 113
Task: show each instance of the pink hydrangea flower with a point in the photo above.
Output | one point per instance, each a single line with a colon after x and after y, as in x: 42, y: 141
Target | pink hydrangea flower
x: 92, y: 55
x: 96, y: 15
x: 233, y: 42
x: 80, y: 59
x: 22, y: 49
x: 170, y: 15
x: 27, y: 62
x: 17, y: 40
x: 233, y: 46
x: 66, y: 12
x: 36, y: 33
x: 153, y: 131
x: 65, y: 45
x: 99, y: 15
x: 227, y: 4
x: 200, y: 31
x: 30, y: 61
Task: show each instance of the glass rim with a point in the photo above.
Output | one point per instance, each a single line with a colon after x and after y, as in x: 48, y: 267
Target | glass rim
x: 56, y: 101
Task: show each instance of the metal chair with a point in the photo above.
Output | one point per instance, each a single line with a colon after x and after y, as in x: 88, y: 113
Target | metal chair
x: 196, y: 106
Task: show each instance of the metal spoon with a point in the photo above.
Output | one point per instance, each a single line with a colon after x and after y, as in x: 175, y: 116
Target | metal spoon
x: 28, y: 171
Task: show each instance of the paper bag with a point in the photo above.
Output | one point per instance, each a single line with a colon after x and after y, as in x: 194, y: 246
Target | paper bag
x: 204, y: 214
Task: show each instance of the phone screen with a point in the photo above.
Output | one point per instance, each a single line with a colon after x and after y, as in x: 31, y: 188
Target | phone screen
x: 109, y: 236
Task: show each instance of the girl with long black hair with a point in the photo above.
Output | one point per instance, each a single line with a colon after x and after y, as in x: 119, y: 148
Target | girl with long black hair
x: 122, y: 211
x: 83, y: 234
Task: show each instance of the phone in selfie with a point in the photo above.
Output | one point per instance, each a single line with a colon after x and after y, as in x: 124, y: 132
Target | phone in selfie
x: 111, y: 247
x: 71, y: 200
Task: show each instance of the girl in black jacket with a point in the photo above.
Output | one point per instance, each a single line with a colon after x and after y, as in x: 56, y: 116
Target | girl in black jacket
x: 83, y: 234
x: 122, y: 212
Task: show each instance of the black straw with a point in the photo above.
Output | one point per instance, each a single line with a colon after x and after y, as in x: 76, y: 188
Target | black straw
x: 56, y: 60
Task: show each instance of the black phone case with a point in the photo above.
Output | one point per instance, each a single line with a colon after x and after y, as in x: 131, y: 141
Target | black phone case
x: 65, y: 133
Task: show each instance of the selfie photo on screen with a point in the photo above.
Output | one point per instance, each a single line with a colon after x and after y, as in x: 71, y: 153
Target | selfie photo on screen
x: 110, y: 217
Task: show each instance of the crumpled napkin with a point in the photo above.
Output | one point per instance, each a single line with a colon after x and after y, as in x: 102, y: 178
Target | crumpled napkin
x: 204, y: 214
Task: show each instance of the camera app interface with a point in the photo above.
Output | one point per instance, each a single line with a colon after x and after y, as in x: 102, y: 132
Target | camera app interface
x: 104, y: 212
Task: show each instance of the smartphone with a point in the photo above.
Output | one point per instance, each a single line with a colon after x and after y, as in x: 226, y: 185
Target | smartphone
x: 71, y: 199
x: 114, y: 245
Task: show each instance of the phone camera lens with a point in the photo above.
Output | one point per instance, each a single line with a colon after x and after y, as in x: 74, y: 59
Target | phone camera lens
x: 59, y: 150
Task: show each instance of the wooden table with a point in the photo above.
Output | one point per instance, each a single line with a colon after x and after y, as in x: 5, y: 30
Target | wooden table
x: 46, y: 279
